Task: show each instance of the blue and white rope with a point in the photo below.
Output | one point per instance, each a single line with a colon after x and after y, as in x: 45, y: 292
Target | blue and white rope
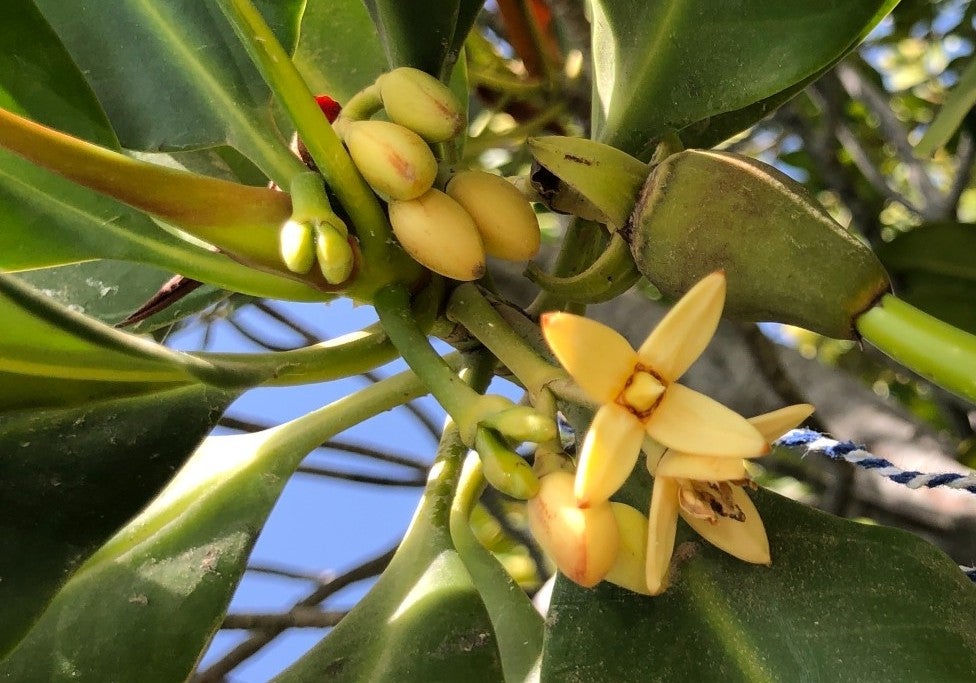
x: 849, y: 451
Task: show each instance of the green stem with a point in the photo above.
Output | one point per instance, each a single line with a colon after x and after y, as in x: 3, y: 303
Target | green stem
x: 471, y: 309
x: 321, y: 140
x: 308, y: 199
x: 442, y: 484
x: 393, y: 307
x: 580, y: 247
x: 935, y: 350
x: 518, y: 626
x: 300, y: 436
x: 612, y: 274
x: 363, y: 104
x: 351, y: 354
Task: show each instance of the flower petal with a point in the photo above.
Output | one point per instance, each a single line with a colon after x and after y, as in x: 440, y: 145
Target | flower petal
x: 685, y: 331
x: 654, y: 452
x: 688, y: 421
x: 662, y: 525
x: 745, y: 540
x: 701, y: 467
x: 629, y: 569
x: 608, y: 454
x: 582, y: 543
x: 776, y: 423
x: 598, y: 357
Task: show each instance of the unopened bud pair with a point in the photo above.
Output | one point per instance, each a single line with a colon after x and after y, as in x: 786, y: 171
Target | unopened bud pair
x: 452, y: 232
x: 314, y: 233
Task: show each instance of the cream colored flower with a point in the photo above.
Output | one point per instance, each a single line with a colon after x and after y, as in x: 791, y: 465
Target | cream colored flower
x: 639, y: 394
x: 707, y: 492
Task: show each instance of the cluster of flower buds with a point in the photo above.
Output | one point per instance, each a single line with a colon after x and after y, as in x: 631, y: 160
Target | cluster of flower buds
x: 448, y: 230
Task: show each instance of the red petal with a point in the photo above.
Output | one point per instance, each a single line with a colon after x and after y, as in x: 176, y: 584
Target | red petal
x: 329, y: 107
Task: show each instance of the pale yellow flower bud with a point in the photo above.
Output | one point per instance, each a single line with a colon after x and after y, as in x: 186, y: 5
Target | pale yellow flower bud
x: 582, y: 542
x: 335, y: 256
x: 395, y: 161
x: 505, y: 219
x: 296, y: 244
x: 523, y: 423
x: 504, y: 469
x: 417, y: 100
x: 439, y: 234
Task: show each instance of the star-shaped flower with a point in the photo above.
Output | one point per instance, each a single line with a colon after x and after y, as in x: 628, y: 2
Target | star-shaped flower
x: 638, y: 393
x: 706, y: 490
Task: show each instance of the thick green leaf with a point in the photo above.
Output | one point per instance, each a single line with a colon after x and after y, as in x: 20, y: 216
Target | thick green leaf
x: 105, y: 290
x: 933, y: 269
x: 43, y: 338
x: 145, y: 605
x: 842, y: 601
x: 424, y: 620
x: 935, y: 249
x: 39, y: 80
x: 46, y: 220
x: 338, y: 52
x: 667, y: 65
x: 70, y: 477
x: 179, y: 79
x: 411, y: 41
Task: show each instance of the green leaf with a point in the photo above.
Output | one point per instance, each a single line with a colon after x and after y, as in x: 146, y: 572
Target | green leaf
x: 842, y: 601
x: 47, y: 220
x: 424, y: 620
x: 338, y: 52
x: 39, y: 80
x: 934, y: 249
x: 145, y: 605
x: 173, y: 76
x: 950, y: 117
x: 105, y: 290
x: 46, y: 339
x: 668, y: 65
x: 31, y: 392
x: 70, y: 477
x: 423, y: 44
x: 933, y: 269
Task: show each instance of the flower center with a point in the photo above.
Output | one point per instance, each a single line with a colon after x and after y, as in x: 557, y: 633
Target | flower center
x: 709, y: 500
x: 641, y: 393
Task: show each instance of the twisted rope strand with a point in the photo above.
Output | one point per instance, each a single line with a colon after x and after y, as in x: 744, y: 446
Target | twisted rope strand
x: 848, y: 451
